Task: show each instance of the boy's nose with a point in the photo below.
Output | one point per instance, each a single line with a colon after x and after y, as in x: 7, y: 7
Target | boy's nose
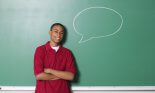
x: 59, y: 34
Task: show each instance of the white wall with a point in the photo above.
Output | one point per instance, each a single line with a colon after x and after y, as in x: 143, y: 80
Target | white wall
x: 85, y: 89
x: 82, y: 91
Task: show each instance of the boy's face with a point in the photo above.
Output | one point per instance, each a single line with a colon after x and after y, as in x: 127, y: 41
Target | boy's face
x: 56, y: 34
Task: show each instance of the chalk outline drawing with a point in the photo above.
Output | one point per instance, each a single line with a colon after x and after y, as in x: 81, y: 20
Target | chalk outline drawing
x: 79, y: 13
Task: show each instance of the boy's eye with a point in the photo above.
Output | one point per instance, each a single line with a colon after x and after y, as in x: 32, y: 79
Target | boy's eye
x: 56, y: 31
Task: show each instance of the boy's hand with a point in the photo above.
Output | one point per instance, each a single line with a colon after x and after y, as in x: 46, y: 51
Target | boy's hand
x: 48, y: 70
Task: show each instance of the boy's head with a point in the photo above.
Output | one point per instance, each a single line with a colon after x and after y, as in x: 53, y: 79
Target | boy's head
x: 57, y: 24
x: 57, y: 33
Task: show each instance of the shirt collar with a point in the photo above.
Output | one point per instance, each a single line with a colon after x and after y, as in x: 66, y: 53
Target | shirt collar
x: 48, y: 47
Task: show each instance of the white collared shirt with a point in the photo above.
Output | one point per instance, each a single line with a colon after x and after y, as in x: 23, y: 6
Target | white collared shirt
x: 56, y: 48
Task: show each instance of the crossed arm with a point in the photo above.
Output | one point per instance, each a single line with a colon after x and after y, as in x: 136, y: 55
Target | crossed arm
x: 48, y: 73
x: 51, y: 74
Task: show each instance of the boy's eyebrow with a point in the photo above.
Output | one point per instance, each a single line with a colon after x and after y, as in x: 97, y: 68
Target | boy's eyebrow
x: 57, y: 30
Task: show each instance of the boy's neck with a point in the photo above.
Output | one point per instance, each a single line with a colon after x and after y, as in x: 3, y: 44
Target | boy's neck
x: 52, y: 44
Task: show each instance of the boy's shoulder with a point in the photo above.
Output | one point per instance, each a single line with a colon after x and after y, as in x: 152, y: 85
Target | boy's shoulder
x: 41, y: 47
x: 66, y: 49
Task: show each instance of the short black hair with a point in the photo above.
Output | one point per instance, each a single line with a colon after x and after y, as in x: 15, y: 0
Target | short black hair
x: 58, y: 24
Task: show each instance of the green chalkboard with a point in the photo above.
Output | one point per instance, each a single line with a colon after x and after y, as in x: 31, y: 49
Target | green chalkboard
x: 113, y: 41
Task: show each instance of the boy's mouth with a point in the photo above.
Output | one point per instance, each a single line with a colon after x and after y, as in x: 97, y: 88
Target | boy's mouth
x: 57, y: 38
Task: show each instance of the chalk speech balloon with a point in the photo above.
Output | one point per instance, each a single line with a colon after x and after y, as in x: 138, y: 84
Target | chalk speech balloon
x: 97, y: 22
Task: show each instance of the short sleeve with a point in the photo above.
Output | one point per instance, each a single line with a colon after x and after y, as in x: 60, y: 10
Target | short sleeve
x: 70, y: 65
x: 38, y: 61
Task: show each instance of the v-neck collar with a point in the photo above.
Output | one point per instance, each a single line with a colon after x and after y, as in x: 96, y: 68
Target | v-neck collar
x: 48, y: 47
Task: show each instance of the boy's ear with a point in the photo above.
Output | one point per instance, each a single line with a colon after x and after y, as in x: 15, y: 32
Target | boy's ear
x: 49, y: 32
